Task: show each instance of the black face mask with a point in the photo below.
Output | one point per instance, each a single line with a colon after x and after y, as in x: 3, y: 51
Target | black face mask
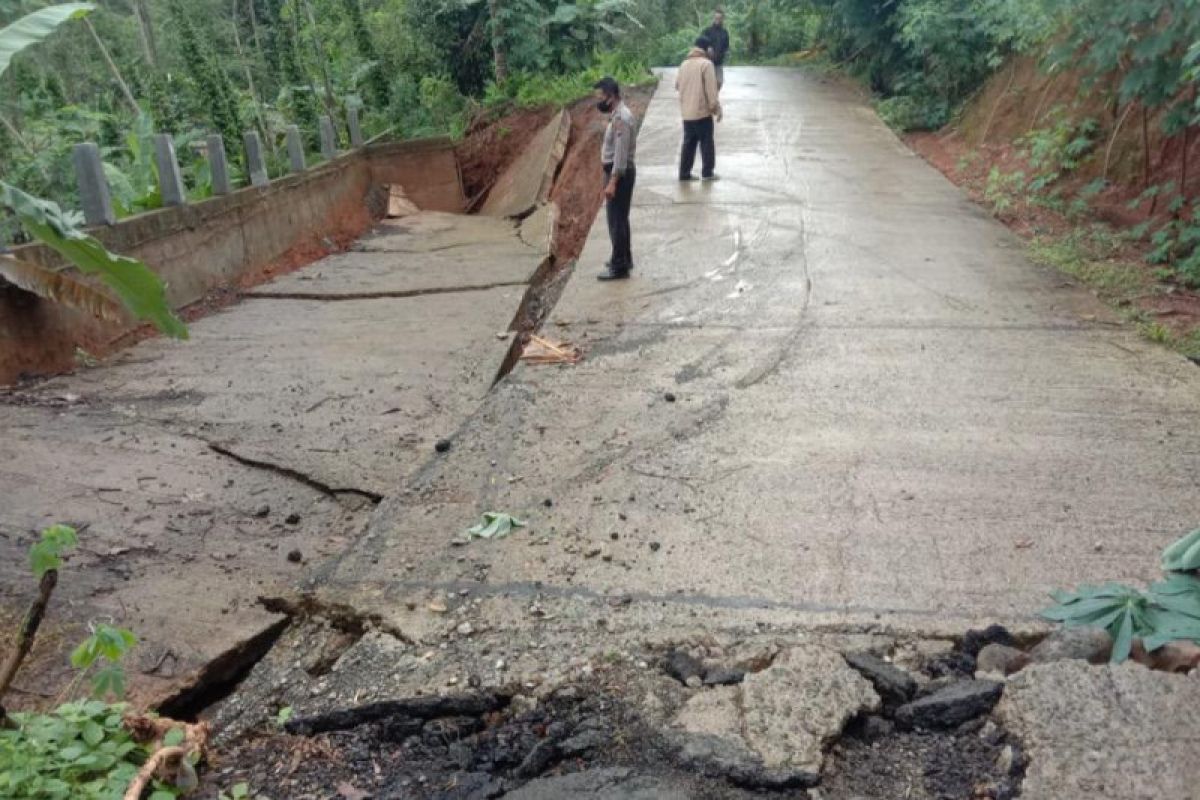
x: 604, y: 105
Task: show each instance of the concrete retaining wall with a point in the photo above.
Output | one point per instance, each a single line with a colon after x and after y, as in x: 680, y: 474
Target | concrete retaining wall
x: 225, y: 242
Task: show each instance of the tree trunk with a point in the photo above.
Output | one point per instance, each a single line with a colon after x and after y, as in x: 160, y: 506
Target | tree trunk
x: 112, y: 67
x: 1183, y: 164
x: 322, y: 60
x: 499, y: 53
x: 145, y: 31
x: 1187, y: 145
x: 29, y: 629
x: 1112, y: 140
x: 1146, y: 159
x: 258, y: 112
x: 1012, y: 76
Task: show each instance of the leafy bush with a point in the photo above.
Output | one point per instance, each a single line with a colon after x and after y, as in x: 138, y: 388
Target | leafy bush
x: 1168, y: 611
x: 1059, y: 148
x: 1003, y: 189
x: 907, y: 113
x: 79, y: 751
x: 932, y: 53
x: 1178, y: 243
x: 538, y: 89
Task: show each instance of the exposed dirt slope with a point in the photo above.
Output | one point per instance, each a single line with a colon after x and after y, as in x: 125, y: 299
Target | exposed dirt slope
x: 493, y: 144
x: 1020, y: 99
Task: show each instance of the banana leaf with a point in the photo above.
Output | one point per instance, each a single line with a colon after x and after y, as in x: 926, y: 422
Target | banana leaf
x: 133, y: 282
x: 35, y: 27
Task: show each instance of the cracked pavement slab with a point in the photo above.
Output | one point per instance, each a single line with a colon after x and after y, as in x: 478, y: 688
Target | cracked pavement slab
x: 206, y: 471
x: 1108, y: 731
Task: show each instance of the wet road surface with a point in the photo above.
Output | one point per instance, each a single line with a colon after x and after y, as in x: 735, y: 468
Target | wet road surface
x: 883, y: 412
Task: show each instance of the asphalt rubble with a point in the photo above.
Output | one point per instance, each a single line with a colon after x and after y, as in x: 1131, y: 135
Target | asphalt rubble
x: 806, y: 716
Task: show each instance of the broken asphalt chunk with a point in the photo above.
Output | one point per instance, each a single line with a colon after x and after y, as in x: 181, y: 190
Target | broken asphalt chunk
x: 951, y: 706
x: 422, y: 708
x: 893, y: 684
x: 681, y: 666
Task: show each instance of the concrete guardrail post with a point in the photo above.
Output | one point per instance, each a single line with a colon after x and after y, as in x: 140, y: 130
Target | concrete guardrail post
x: 218, y: 164
x: 295, y: 148
x: 356, y: 137
x: 255, y: 165
x: 93, y: 186
x: 170, y: 181
x: 329, y: 149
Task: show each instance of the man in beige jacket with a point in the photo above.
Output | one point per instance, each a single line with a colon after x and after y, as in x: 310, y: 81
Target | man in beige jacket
x: 699, y: 104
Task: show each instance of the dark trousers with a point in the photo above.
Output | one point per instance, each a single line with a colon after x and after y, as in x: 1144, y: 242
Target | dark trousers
x: 698, y: 132
x: 617, y: 211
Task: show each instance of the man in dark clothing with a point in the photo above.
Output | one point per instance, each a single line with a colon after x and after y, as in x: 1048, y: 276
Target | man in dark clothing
x: 718, y: 39
x: 616, y: 156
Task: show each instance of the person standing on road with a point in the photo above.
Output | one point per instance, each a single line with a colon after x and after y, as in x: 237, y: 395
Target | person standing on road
x: 699, y: 104
x: 616, y: 155
x: 718, y: 38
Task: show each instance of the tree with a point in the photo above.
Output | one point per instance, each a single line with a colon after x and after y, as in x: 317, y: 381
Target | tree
x: 376, y: 78
x: 499, y: 46
x: 208, y: 76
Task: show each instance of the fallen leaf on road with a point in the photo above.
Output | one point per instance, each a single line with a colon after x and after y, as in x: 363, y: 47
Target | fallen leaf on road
x: 495, y: 525
x: 1025, y: 544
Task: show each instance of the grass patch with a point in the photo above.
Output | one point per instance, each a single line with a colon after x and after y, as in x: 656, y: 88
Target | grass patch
x: 1093, y: 256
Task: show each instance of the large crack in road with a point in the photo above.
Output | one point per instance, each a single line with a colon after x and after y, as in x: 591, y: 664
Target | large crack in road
x: 897, y: 403
x: 699, y: 482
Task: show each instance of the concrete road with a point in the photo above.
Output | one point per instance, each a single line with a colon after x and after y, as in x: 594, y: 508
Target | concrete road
x: 204, y: 470
x: 883, y: 412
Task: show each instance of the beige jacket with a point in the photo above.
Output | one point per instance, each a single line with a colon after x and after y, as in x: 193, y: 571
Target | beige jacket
x: 696, y: 83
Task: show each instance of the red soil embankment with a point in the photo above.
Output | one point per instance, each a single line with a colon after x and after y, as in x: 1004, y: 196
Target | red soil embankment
x: 1021, y: 99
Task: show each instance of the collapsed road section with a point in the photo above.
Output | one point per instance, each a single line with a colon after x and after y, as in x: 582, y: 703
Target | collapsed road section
x: 202, y: 475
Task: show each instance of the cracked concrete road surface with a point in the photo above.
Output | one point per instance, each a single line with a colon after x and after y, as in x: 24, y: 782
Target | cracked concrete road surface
x: 203, y: 471
x: 835, y: 399
x: 834, y: 392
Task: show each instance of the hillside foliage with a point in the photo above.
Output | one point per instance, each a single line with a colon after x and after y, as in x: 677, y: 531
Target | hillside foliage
x: 420, y: 67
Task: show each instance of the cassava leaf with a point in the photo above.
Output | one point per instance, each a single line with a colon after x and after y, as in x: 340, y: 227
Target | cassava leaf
x: 1118, y: 609
x: 1184, y: 554
x: 46, y: 553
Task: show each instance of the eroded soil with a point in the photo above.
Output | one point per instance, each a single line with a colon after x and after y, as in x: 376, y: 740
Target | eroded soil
x: 1169, y: 303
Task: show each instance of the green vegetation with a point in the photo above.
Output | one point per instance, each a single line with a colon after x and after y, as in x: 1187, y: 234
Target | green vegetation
x: 1167, y: 611
x: 82, y: 749
x: 138, y: 288
x: 926, y: 58
x: 79, y: 750
x: 428, y: 67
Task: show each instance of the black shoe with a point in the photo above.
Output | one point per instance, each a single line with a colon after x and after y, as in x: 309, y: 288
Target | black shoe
x: 613, y: 275
x: 608, y: 266
x: 713, y: 177
x: 686, y: 178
